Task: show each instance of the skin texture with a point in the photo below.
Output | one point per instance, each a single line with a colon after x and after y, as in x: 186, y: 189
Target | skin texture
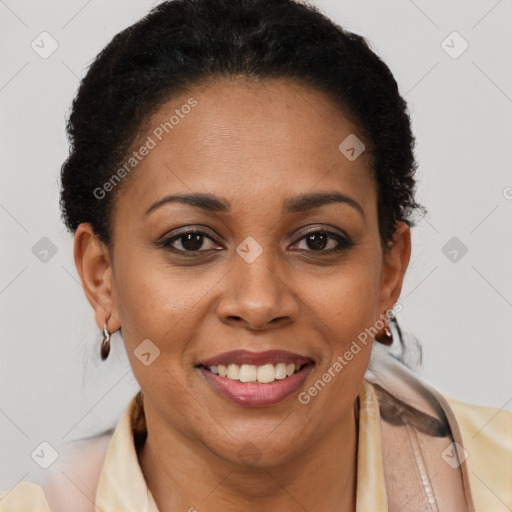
x: 254, y: 145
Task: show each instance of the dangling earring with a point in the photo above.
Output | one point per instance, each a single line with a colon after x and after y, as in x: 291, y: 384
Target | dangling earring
x: 387, y: 339
x: 105, y: 344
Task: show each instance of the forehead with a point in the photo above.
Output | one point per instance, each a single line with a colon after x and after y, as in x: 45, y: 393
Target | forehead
x: 250, y: 141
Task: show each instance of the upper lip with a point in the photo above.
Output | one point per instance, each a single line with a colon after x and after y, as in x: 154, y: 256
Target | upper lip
x: 240, y: 357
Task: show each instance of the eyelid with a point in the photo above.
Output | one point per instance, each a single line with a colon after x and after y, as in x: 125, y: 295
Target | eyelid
x: 341, y: 237
x: 323, y: 228
x: 195, y: 228
x: 344, y: 242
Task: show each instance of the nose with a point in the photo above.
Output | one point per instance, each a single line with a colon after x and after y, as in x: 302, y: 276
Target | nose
x: 257, y: 296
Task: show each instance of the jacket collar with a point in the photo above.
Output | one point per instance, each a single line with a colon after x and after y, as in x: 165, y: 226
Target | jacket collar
x: 122, y: 485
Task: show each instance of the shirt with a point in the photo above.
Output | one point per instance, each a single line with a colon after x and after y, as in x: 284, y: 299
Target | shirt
x: 122, y: 486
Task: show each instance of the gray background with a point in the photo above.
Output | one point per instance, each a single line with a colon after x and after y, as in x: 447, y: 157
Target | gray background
x: 54, y: 386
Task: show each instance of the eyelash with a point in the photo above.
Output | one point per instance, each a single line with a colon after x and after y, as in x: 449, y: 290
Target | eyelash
x: 345, y: 243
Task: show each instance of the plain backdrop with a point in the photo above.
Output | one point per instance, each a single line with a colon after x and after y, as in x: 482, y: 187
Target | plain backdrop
x: 452, y: 63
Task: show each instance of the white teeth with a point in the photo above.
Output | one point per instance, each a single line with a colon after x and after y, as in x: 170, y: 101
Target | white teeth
x: 247, y: 373
x: 233, y: 372
x: 266, y: 373
x: 263, y: 374
x: 280, y: 371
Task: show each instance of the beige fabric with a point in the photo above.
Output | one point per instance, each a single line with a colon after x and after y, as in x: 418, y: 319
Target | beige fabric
x: 371, y: 488
x: 485, y: 433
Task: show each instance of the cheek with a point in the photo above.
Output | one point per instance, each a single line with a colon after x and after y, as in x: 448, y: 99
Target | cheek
x: 150, y: 296
x: 348, y: 300
x: 347, y: 306
x: 347, y: 309
x: 149, y: 302
x: 156, y: 306
x: 162, y: 303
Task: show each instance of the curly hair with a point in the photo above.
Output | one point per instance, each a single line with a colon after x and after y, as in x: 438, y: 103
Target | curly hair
x: 183, y: 43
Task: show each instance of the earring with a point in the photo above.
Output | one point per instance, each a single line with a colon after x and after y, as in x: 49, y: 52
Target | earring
x: 105, y: 344
x: 387, y: 338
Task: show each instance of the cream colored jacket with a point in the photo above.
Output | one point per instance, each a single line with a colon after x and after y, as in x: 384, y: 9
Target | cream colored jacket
x: 399, y: 468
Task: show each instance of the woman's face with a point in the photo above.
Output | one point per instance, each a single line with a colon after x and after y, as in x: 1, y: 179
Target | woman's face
x: 256, y: 279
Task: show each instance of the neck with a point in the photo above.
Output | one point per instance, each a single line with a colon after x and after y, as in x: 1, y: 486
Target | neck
x: 186, y: 475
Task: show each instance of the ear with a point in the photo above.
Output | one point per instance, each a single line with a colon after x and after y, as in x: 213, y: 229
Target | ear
x: 395, y: 263
x: 93, y: 263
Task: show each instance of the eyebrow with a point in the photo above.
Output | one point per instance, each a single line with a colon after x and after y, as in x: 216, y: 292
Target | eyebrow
x: 297, y: 204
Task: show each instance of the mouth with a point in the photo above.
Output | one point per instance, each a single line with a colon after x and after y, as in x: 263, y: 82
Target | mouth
x: 263, y: 374
x: 256, y: 379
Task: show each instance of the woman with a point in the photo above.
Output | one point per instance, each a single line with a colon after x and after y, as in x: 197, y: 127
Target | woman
x: 241, y: 189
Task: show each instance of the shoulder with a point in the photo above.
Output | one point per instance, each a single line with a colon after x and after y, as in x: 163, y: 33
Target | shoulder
x: 24, y: 496
x: 70, y: 483
x: 486, y: 434
x: 482, y: 424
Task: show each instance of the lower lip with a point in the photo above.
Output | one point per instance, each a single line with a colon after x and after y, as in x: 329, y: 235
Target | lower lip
x: 254, y: 394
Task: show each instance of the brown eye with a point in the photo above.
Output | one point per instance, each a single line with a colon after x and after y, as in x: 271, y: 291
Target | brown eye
x: 323, y: 241
x: 317, y: 241
x: 191, y: 241
x: 187, y: 241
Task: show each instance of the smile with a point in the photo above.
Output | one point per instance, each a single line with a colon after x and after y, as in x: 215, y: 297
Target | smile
x: 251, y: 373
x: 256, y: 379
